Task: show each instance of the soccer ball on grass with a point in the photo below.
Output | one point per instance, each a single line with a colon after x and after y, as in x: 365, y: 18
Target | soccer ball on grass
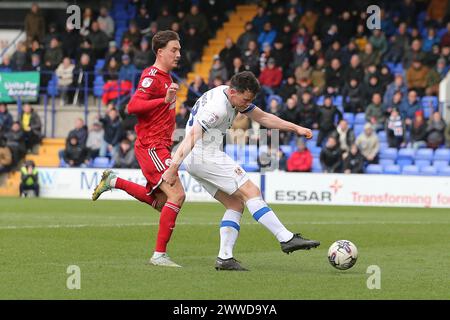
x: 342, y: 254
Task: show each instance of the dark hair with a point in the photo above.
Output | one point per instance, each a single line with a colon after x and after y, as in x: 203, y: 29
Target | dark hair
x: 244, y: 81
x: 162, y: 38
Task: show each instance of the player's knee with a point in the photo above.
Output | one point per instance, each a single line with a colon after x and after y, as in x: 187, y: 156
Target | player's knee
x: 178, y: 198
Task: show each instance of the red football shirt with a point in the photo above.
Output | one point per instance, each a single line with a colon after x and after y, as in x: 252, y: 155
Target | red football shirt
x: 156, y: 119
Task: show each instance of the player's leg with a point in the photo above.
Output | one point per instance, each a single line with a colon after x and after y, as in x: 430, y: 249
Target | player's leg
x: 169, y: 213
x: 251, y: 195
x: 229, y: 231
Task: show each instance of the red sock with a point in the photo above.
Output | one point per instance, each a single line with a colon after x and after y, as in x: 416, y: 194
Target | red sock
x: 166, y: 225
x: 135, y: 190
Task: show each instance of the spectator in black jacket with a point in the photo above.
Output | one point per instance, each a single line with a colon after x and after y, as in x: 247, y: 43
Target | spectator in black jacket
x: 288, y: 89
x: 418, y: 134
x: 327, y: 116
x: 113, y: 133
x: 331, y: 156
x: 334, y: 76
x: 354, y: 163
x: 80, y: 131
x: 308, y: 111
x: 124, y: 157
x: 353, y: 96
x: 289, y: 113
x: 75, y: 154
x: 16, y: 142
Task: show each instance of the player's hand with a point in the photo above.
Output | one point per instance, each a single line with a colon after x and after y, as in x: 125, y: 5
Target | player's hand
x: 171, y: 94
x: 170, y: 176
x: 305, y: 132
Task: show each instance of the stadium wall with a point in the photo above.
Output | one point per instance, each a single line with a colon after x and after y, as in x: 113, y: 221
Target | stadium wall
x: 278, y: 187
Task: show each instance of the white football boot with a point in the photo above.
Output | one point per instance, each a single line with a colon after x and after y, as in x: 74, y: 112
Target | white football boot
x: 163, y: 261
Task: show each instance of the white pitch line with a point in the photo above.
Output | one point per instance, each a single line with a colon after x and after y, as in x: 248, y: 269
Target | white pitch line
x: 144, y: 224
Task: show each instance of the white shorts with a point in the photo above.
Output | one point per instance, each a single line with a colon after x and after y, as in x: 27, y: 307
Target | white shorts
x: 215, y: 171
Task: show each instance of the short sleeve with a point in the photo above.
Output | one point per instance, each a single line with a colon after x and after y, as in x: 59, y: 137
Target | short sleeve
x: 209, y: 119
x: 250, y: 108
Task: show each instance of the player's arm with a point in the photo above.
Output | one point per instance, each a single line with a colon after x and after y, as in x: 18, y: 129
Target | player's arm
x: 139, y: 103
x: 271, y: 121
x: 182, y: 152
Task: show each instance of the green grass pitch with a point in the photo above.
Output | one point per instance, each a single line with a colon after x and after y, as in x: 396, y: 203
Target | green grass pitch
x: 111, y: 241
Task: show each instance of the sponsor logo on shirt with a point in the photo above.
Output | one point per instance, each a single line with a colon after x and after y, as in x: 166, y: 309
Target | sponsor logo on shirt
x: 147, y: 82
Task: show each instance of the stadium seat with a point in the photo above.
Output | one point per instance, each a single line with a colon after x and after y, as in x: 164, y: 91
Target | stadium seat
x: 386, y: 162
x: 430, y: 101
x: 358, y: 129
x: 422, y: 163
x: 411, y: 170
x: 315, y: 151
x: 250, y: 167
x: 383, y: 145
x: 374, y: 169
x: 442, y: 154
x: 424, y: 154
x: 438, y: 164
x: 444, y: 171
x: 101, y: 162
x: 406, y: 153
x: 360, y: 118
x: 337, y: 101
x: 428, y: 171
x: 350, y: 118
x: 392, y: 169
x: 98, y: 91
x: 316, y: 166
x: 287, y: 150
x: 320, y: 100
x: 251, y: 153
x: 404, y: 162
x: 389, y: 153
x: 382, y: 136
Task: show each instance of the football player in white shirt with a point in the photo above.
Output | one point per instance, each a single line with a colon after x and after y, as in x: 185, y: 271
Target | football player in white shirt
x: 220, y: 175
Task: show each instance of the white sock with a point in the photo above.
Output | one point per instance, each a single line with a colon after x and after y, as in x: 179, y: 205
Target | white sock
x: 112, y: 183
x: 157, y: 254
x: 264, y: 215
x: 229, y: 232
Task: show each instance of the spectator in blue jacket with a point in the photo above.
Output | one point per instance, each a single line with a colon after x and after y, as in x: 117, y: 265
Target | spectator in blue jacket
x: 397, y: 85
x: 128, y: 70
x: 267, y: 36
x: 410, y: 107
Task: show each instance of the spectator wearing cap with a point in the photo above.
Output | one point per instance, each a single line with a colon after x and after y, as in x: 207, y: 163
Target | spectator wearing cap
x: 228, y: 53
x: 217, y: 70
x: 94, y: 140
x: 326, y: 117
x: 271, y: 77
x: 267, y: 35
x: 416, y: 77
x: 99, y: 40
x: 395, y: 130
x: 34, y: 24
x: 301, y: 159
x: 369, y: 144
x: 128, y: 71
x: 105, y: 22
x: 143, y: 57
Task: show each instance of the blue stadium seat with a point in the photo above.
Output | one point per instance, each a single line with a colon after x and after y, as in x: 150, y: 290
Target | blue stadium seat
x: 360, y: 118
x: 386, y: 162
x: 430, y: 101
x: 287, y: 149
x: 374, y: 169
x: 424, y: 154
x: 404, y: 162
x: 422, y: 163
x: 382, y: 136
x: 444, y: 171
x: 389, y: 153
x: 101, y: 162
x: 62, y: 163
x: 250, y: 167
x: 410, y: 170
x: 399, y: 69
x: 442, y: 154
x: 316, y: 166
x: 350, y: 118
x: 406, y: 153
x: 383, y: 145
x: 392, y: 169
x: 358, y: 129
x: 98, y: 90
x: 337, y: 101
x: 251, y: 151
x: 391, y: 66
x: 438, y: 164
x: 428, y: 171
x: 315, y: 151
x: 320, y: 100
x: 315, y: 132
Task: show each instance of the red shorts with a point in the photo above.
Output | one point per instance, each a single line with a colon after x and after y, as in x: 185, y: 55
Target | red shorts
x: 153, y: 163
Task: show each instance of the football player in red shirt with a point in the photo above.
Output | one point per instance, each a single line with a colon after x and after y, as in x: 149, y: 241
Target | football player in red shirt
x: 154, y: 105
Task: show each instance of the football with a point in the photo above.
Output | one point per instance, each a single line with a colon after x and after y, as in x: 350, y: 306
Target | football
x: 342, y: 254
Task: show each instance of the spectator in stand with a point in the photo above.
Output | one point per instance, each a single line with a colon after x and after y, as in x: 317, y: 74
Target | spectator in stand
x: 267, y: 35
x: 379, y: 43
x: 51, y: 33
x: 182, y: 117
x: 165, y: 19
x: 53, y: 55
x: 87, y: 19
x: 228, y: 53
x: 354, y: 162
x: 192, y: 43
x: 31, y: 124
x: 105, y: 22
x: 411, y: 106
x: 143, y: 57
x: 435, y: 131
x: 361, y: 37
x: 355, y: 70
x: 6, y: 159
x: 272, y: 159
x: 260, y: 19
x: 20, y: 59
x: 418, y: 133
x: 127, y: 71
x: 70, y: 41
x: 274, y: 106
x: 318, y: 77
x: 447, y: 136
x: 99, y: 40
x: 281, y: 55
x: 196, y: 89
x: 80, y: 131
x: 124, y: 157
x: 251, y: 58
x: 413, y: 53
x: 6, y: 64
x: 132, y: 36
x: 245, y: 38
x: 64, y: 72
x: 397, y: 85
x: 75, y: 154
x: 416, y: 77
x: 143, y: 19
x: 113, y: 132
x: 303, y: 71
x: 308, y: 111
x: 344, y: 136
x: 331, y: 156
x: 369, y: 56
x: 301, y: 159
x: 395, y: 130
x: 375, y: 112
x: 94, y: 140
x: 34, y: 24
x: 237, y: 66
x: 6, y: 119
x: 433, y: 78
x: 15, y: 140
x: 334, y: 75
x: 326, y: 118
x: 113, y: 52
x: 29, y: 179
x: 217, y: 70
x: 445, y: 39
x: 83, y: 72
x: 397, y: 103
x: 270, y: 77
x: 353, y: 96
x: 369, y: 144
x: 436, y: 10
x: 198, y: 20
x: 288, y: 89
x: 309, y: 20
